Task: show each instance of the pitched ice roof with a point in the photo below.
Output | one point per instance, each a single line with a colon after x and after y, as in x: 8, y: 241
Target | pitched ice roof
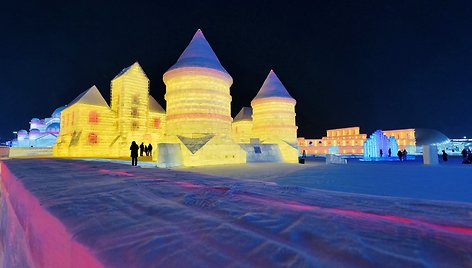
x: 154, y: 106
x: 199, y: 54
x: 244, y: 115
x: 91, y: 96
x: 272, y: 87
x: 128, y: 68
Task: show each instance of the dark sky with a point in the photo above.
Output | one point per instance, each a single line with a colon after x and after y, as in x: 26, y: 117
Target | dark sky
x: 374, y: 64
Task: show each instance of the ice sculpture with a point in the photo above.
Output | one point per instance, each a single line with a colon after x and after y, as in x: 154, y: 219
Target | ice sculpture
x: 42, y: 133
x: 378, y: 144
x: 199, y: 109
x: 274, y: 117
x: 197, y: 128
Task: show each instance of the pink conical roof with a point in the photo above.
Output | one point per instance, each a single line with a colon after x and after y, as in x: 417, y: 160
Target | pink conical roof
x: 272, y: 87
x: 199, y: 54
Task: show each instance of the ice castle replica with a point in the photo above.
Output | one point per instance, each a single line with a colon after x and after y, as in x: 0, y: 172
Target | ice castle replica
x: 197, y: 128
x: 42, y: 133
x: 379, y: 141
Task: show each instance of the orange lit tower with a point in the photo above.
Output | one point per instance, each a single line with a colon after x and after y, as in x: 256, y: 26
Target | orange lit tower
x: 274, y: 117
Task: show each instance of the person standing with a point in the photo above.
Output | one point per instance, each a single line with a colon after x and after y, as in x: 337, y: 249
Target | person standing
x: 389, y: 152
x: 464, y: 153
x: 400, y: 155
x: 381, y: 153
x: 404, y: 154
x: 150, y: 149
x: 444, y: 156
x: 141, y: 149
x: 134, y: 153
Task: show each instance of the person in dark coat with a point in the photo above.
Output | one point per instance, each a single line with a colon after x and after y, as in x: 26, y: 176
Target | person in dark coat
x: 150, y: 149
x: 404, y: 154
x: 134, y: 153
x: 141, y: 149
x: 381, y: 153
x: 464, y: 153
x: 146, y: 150
x: 400, y: 155
x: 444, y: 156
x: 389, y: 152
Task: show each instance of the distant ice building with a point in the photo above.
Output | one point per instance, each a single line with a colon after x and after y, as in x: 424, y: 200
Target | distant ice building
x: 42, y: 132
x: 349, y: 141
x: 378, y: 144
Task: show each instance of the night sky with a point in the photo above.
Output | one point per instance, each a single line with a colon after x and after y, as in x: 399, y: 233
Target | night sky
x: 374, y: 64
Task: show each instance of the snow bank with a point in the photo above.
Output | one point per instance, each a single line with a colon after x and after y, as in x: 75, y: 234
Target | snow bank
x: 65, y: 211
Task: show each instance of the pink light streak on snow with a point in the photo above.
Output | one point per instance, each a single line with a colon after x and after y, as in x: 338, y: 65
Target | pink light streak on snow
x: 44, y: 237
x: 361, y: 214
x: 112, y: 172
x: 338, y: 211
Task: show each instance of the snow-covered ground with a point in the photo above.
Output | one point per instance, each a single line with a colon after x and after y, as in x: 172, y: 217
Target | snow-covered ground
x: 447, y: 181
x: 265, y: 215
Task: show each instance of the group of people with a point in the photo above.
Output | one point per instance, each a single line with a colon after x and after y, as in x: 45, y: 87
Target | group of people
x: 466, y: 156
x: 143, y: 149
x: 402, y: 154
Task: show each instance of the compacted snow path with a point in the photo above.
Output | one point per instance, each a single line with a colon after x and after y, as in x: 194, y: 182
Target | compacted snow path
x: 119, y: 216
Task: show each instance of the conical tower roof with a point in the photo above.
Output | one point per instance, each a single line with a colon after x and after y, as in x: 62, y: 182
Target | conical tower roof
x: 199, y: 54
x: 91, y: 96
x: 272, y: 87
x: 244, y: 115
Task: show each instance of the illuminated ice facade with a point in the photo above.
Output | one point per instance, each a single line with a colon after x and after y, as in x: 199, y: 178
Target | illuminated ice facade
x: 197, y: 128
x: 242, y: 125
x: 42, y: 132
x: 91, y: 128
x: 274, y: 117
x: 349, y: 141
x: 379, y: 141
x: 343, y: 140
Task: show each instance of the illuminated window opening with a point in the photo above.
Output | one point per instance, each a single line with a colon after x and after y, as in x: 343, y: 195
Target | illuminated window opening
x: 92, y: 138
x: 93, y: 117
x: 157, y: 122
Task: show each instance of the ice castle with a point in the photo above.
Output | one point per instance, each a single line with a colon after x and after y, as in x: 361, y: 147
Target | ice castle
x: 197, y: 128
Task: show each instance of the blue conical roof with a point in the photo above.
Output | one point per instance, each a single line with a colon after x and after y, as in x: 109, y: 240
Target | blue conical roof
x: 199, y: 54
x: 272, y: 87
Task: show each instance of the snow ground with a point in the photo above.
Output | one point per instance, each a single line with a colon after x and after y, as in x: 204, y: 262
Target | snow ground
x: 247, y: 217
x: 451, y: 181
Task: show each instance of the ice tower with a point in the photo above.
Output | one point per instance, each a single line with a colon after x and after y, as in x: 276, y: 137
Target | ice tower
x: 274, y: 117
x: 198, y: 110
x: 197, y: 92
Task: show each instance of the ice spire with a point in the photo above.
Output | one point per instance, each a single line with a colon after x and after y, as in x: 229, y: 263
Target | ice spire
x: 272, y: 87
x: 199, y: 54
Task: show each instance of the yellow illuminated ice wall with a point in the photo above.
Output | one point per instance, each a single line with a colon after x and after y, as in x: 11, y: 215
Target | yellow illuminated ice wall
x: 242, y: 125
x: 86, y: 127
x: 93, y: 129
